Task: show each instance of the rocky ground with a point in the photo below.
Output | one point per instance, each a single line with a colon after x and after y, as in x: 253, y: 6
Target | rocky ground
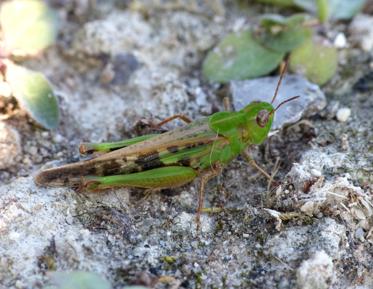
x: 114, y: 65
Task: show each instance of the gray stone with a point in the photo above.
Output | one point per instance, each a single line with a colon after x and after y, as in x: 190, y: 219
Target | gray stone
x: 311, y: 100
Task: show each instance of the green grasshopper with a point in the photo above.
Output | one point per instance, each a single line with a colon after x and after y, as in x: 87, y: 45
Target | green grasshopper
x: 170, y: 159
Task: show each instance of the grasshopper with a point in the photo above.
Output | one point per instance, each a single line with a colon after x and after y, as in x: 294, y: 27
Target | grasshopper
x: 173, y: 158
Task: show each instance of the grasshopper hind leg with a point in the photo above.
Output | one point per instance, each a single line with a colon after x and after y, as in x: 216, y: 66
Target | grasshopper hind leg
x: 163, y: 177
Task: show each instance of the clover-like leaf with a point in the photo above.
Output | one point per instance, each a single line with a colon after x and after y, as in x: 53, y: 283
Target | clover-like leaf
x: 28, y: 26
x: 282, y: 34
x: 34, y: 94
x: 318, y: 62
x: 239, y: 56
x: 78, y: 280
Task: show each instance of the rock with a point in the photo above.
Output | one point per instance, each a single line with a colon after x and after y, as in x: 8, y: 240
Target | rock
x: 39, y: 229
x: 361, y: 30
x: 316, y: 272
x: 343, y: 114
x: 311, y: 100
x: 147, y: 59
x: 185, y: 222
x: 313, y: 164
x: 293, y: 243
x: 10, y: 146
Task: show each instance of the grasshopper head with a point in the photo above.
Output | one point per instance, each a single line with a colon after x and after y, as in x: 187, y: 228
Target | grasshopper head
x: 259, y: 117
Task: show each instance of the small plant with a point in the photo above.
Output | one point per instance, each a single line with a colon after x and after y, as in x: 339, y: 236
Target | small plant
x: 27, y: 28
x: 257, y: 51
x: 323, y: 9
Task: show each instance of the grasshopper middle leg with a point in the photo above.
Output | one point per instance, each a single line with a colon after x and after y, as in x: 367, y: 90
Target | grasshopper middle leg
x: 209, y: 174
x: 182, y: 117
x: 89, y: 148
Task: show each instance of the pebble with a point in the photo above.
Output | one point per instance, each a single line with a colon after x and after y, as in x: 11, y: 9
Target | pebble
x: 361, y: 30
x: 10, y: 146
x: 343, y: 114
x: 340, y: 41
x: 359, y: 234
x: 316, y: 173
x: 5, y: 89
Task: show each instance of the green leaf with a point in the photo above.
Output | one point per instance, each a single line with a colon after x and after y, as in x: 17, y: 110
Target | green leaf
x: 322, y: 10
x: 28, y: 26
x: 239, y: 56
x: 316, y: 61
x: 345, y: 9
x: 34, y: 94
x: 334, y: 9
x: 269, y: 20
x: 79, y: 280
x: 307, y: 5
x: 283, y: 34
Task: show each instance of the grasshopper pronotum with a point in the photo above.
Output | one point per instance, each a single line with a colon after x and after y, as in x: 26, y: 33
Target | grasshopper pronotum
x: 170, y: 159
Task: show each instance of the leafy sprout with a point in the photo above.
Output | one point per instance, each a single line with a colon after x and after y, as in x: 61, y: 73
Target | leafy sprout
x: 259, y: 50
x: 27, y: 28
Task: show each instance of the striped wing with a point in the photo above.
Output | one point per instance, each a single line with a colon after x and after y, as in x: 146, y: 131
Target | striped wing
x: 183, y: 146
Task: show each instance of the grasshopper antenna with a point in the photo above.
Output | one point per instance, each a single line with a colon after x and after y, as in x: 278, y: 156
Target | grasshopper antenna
x: 285, y: 101
x: 280, y: 80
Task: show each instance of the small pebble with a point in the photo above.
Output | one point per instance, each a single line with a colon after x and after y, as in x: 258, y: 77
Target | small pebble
x: 316, y: 173
x: 5, y: 89
x: 359, y: 234
x: 340, y: 41
x: 361, y: 31
x: 343, y: 114
x: 19, y: 284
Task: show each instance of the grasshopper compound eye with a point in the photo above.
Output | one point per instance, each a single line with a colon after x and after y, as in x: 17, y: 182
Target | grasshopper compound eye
x: 262, y: 117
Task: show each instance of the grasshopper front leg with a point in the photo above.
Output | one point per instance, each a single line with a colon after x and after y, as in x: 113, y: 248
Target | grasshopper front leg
x: 252, y: 162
